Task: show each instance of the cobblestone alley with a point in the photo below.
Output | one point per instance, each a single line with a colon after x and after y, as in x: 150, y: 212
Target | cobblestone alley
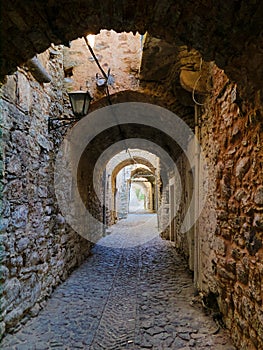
x: 125, y: 296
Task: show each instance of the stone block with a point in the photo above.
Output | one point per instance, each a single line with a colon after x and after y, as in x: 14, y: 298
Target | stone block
x: 4, y: 273
x: 17, y: 261
x: 253, y: 243
x: 4, y: 224
x: 42, y: 191
x: 240, y: 241
x: 255, y: 287
x: 44, y: 142
x: 219, y: 246
x: 222, y: 214
x: 231, y: 266
x: 242, y: 167
x: 33, y: 258
x: 2, y: 329
x: 226, y: 233
x: 14, y: 190
x: 242, y: 273
x: 258, y: 196
x: 223, y: 273
x: 9, y: 88
x: 258, y: 221
x: 34, y: 311
x: 19, y: 217
x: 19, y: 139
x: 253, y: 336
x: 23, y: 92
x: 14, y: 166
x: 11, y: 290
x: 22, y: 244
x: 241, y: 194
x: 248, y: 308
x: 13, y: 317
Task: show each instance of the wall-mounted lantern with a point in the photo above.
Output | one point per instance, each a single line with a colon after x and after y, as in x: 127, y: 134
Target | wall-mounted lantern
x: 80, y: 102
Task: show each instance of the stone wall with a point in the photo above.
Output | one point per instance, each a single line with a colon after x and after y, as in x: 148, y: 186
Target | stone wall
x: 231, y: 226
x: 119, y: 52
x: 38, y: 249
x: 228, y: 33
x: 182, y: 190
x: 228, y: 236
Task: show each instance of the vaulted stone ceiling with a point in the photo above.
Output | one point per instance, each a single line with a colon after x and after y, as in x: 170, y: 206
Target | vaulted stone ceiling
x: 228, y: 32
x: 181, y: 73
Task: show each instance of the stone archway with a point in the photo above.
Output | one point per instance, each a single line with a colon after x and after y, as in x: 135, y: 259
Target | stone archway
x: 147, y: 180
x: 124, y: 159
x: 228, y: 33
x: 127, y: 132
x: 148, y: 96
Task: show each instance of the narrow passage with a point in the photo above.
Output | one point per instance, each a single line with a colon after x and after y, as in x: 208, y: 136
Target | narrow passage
x: 125, y: 296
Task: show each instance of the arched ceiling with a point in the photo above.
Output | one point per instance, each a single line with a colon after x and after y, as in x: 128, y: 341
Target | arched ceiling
x: 131, y: 161
x: 227, y: 32
x: 143, y: 173
x: 105, y: 139
x: 112, y: 135
x: 173, y: 104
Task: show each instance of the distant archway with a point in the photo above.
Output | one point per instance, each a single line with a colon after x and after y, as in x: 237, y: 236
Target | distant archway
x: 116, y: 165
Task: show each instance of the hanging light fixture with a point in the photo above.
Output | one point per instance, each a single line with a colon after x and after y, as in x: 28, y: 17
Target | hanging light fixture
x: 80, y: 102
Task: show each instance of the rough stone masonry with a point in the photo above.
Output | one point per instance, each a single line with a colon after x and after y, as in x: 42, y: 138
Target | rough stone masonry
x: 38, y: 248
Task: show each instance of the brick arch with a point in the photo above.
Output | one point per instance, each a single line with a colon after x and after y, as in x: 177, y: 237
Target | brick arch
x: 228, y: 33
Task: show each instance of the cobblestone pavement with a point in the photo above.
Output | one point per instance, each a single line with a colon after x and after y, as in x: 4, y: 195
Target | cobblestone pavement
x: 129, y: 297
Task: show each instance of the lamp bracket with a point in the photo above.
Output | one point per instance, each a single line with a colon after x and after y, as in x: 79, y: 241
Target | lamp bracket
x: 60, y: 122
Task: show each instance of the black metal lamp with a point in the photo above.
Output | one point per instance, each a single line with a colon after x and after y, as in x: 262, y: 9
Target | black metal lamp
x: 80, y: 102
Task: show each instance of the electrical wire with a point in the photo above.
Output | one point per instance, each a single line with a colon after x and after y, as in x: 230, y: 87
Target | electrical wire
x: 95, y: 58
x: 107, y: 90
x: 195, y: 85
x: 100, y: 68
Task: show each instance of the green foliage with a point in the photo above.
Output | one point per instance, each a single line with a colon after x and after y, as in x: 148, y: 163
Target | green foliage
x: 139, y: 195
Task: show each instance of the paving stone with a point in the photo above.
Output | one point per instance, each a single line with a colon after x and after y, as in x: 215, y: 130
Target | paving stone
x: 119, y: 299
x: 154, y: 330
x: 25, y: 346
x: 42, y: 346
x: 179, y: 342
x: 192, y: 342
x: 184, y: 336
x: 198, y: 335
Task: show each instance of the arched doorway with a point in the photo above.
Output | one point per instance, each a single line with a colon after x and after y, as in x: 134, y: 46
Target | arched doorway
x: 142, y: 191
x: 127, y: 193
